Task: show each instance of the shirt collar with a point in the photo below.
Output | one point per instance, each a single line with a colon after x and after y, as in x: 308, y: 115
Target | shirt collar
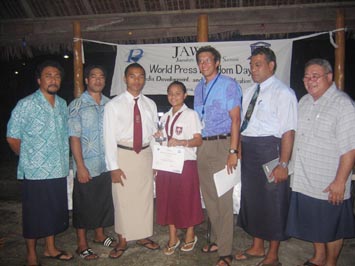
x: 131, y: 97
x: 266, y: 83
x: 328, y: 94
x: 89, y: 99
x: 211, y: 81
x: 42, y: 99
x: 183, y: 108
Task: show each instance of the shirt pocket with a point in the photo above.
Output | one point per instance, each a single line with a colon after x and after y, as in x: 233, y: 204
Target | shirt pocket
x: 264, y: 111
x: 324, y: 126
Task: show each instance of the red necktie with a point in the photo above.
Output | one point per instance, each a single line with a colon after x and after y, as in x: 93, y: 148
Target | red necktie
x: 137, y: 128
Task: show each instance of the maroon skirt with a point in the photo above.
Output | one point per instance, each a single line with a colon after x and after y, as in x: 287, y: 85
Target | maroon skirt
x: 178, y: 198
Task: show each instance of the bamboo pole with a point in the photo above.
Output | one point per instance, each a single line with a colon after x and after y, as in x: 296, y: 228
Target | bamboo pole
x: 77, y: 58
x: 340, y: 51
x: 202, y: 28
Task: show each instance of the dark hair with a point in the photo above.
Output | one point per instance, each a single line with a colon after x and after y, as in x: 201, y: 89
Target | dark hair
x: 210, y: 49
x: 178, y: 83
x: 320, y: 62
x: 269, y: 54
x: 133, y: 65
x: 49, y: 63
x: 88, y: 69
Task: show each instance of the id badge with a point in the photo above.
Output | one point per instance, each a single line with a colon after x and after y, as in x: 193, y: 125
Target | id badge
x: 203, y: 123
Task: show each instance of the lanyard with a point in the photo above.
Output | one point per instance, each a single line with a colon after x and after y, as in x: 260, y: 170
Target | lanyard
x: 172, y: 125
x: 205, y: 100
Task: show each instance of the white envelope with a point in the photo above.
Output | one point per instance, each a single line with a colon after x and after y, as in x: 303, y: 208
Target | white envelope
x: 224, y: 181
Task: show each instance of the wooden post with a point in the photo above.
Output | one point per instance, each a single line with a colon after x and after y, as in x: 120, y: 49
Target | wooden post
x: 78, y: 62
x: 202, y: 28
x: 202, y: 36
x: 340, y: 51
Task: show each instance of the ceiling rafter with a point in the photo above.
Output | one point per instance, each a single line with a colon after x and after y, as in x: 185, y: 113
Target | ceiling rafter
x: 127, y: 26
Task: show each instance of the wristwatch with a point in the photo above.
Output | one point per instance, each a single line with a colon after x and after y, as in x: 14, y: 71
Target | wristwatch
x: 283, y: 164
x: 233, y: 151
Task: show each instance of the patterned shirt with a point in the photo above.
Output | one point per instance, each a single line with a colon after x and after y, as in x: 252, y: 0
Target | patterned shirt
x: 86, y: 122
x: 326, y: 131
x: 43, y: 131
x: 213, y: 101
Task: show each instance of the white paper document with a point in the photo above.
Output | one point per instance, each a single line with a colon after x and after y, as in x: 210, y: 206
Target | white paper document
x: 225, y: 181
x: 170, y: 159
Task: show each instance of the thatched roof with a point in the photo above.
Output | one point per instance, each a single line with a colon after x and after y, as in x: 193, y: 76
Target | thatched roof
x: 46, y: 25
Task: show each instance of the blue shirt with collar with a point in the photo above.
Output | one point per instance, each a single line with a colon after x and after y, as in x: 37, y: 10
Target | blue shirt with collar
x: 86, y: 122
x: 43, y: 131
x: 213, y: 101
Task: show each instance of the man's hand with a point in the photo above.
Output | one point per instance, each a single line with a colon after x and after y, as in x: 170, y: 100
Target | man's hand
x: 117, y: 176
x: 83, y: 175
x: 335, y: 192
x: 279, y: 173
x: 232, y: 163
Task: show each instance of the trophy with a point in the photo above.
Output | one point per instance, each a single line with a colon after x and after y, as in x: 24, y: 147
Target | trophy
x: 161, y: 128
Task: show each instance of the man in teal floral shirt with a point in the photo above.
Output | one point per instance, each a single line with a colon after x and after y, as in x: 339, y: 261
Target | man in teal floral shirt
x: 38, y: 133
x: 92, y: 195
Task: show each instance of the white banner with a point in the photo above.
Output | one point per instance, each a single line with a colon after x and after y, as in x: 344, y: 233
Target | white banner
x: 165, y: 63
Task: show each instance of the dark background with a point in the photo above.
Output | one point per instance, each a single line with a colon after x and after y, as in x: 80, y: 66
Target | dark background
x: 14, y: 87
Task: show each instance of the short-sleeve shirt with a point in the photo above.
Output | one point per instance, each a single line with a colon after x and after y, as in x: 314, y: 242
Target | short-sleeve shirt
x: 213, y: 101
x: 186, y: 125
x: 275, y: 110
x: 86, y: 122
x: 43, y: 132
x: 326, y: 131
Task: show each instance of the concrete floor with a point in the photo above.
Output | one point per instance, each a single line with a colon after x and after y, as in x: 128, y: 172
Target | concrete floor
x: 12, y: 247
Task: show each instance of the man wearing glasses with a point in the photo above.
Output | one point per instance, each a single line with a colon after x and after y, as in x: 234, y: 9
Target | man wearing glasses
x: 324, y: 155
x: 218, y: 103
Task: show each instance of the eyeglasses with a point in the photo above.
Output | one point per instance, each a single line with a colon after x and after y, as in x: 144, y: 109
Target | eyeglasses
x: 313, y: 77
x: 206, y: 61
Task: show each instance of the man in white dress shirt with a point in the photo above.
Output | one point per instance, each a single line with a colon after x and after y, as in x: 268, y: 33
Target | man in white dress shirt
x: 267, y: 131
x: 131, y: 170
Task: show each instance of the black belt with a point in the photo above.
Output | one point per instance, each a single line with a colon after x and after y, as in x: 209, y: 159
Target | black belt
x: 130, y: 148
x: 223, y: 136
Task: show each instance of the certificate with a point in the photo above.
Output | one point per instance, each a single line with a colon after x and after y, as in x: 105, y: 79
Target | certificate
x: 170, y: 159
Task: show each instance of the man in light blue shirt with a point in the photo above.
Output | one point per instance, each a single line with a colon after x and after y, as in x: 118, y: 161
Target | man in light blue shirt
x: 92, y: 195
x: 218, y: 103
x: 37, y: 132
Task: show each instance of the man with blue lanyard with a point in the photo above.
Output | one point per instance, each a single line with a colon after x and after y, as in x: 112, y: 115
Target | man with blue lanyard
x: 38, y: 133
x: 218, y: 103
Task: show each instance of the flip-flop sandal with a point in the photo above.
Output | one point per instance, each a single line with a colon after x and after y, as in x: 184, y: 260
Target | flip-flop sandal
x: 209, y: 248
x: 116, y: 250
x: 224, y: 259
x: 276, y: 263
x: 189, y: 246
x: 107, y: 242
x: 145, y: 242
x: 247, y: 256
x: 308, y: 263
x: 59, y: 256
x: 84, y: 254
